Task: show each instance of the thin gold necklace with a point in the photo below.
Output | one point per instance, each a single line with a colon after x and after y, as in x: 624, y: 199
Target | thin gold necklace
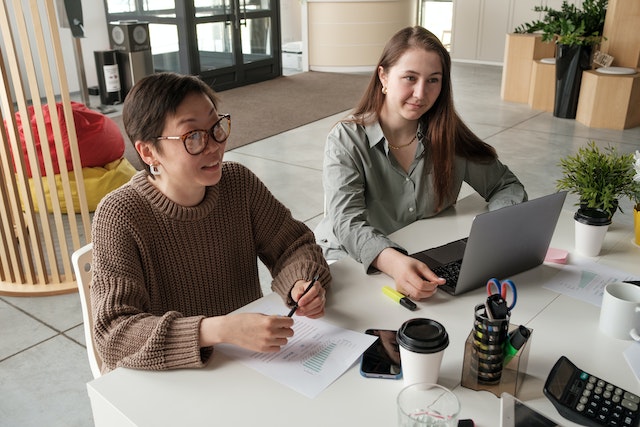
x: 397, y: 147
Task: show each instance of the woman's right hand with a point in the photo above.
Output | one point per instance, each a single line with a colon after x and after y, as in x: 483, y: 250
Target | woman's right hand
x: 253, y: 331
x: 412, y: 277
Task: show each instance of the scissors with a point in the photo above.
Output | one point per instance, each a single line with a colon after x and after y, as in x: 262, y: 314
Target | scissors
x: 495, y: 287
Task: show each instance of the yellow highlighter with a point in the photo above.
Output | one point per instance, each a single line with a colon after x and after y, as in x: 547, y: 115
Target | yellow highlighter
x: 398, y: 297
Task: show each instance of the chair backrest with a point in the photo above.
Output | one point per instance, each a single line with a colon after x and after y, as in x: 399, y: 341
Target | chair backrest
x: 81, y: 260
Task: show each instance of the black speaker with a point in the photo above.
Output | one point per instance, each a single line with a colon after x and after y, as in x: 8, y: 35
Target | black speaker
x: 70, y: 16
x: 109, y: 80
x: 129, y: 36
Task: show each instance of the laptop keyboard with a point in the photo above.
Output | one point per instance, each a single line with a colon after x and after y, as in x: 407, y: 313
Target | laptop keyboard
x: 450, y: 272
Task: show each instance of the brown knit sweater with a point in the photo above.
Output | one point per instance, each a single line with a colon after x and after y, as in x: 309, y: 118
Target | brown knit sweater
x: 159, y: 268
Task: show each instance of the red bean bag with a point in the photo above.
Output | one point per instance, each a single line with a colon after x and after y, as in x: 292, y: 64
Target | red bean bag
x: 101, y: 147
x: 99, y: 138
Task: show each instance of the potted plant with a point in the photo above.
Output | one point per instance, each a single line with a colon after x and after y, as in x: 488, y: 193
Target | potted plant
x: 599, y: 178
x: 575, y: 31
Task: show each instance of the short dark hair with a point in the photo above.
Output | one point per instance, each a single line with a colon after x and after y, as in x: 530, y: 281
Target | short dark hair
x: 155, y: 97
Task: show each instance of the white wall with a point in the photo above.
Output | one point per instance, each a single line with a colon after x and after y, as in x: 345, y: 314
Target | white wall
x: 290, y: 20
x: 95, y: 39
x: 480, y: 26
x: 96, y: 36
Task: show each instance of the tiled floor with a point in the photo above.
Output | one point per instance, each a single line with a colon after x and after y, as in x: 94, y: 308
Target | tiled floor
x: 43, y: 364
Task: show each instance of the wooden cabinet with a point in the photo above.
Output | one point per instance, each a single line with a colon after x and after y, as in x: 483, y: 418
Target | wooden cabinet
x: 609, y: 101
x: 542, y: 90
x: 622, y: 37
x: 613, y: 101
x: 521, y: 50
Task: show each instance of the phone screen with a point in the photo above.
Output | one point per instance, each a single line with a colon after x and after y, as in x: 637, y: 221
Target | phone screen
x: 382, y: 358
x: 515, y: 413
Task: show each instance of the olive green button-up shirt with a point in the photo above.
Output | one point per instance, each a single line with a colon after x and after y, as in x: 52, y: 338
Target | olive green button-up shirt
x: 368, y: 195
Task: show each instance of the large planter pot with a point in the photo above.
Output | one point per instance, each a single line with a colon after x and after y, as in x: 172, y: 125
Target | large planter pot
x: 571, y: 61
x: 591, y: 226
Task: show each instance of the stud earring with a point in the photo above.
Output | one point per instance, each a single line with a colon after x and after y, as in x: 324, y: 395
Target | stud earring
x: 384, y: 90
x: 154, y: 170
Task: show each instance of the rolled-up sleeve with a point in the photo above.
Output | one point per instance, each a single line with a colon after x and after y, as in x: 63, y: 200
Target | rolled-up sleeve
x: 496, y: 183
x: 347, y: 176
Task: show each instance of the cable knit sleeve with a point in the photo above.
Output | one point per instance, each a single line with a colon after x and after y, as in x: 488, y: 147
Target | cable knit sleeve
x: 285, y: 245
x: 127, y: 331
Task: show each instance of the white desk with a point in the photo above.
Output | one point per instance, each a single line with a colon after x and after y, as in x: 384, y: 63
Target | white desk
x: 227, y: 393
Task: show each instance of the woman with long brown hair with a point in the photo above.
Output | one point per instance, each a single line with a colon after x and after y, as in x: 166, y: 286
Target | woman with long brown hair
x: 402, y: 156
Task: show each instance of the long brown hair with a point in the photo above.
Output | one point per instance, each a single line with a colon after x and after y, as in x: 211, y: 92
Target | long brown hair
x: 446, y: 132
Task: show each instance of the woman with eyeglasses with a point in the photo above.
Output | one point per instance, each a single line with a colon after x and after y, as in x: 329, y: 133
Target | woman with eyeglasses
x: 176, y: 249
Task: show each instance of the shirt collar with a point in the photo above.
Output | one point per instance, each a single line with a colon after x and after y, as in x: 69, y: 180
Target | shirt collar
x: 373, y: 130
x: 375, y: 136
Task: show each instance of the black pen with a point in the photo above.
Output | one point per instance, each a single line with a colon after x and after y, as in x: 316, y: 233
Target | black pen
x: 295, y: 307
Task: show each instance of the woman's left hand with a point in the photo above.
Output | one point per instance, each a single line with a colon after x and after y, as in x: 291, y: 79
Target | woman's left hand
x: 312, y: 303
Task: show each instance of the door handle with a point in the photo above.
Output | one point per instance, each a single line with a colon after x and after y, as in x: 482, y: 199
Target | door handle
x: 244, y: 13
x: 236, y: 14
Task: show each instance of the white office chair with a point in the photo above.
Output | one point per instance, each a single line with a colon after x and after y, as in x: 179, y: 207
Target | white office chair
x: 81, y: 260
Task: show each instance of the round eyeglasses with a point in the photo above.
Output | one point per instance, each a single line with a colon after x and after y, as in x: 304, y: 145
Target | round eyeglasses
x: 195, y: 141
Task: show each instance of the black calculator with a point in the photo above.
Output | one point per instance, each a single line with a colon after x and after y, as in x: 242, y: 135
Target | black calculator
x: 588, y: 400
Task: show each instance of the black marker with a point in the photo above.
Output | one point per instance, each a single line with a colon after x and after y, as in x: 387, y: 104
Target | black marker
x: 515, y: 341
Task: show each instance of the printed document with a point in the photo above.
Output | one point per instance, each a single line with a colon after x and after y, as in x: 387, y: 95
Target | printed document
x: 585, y: 279
x: 317, y: 354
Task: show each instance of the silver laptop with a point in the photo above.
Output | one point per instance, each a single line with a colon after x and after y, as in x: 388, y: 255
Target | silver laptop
x: 501, y: 243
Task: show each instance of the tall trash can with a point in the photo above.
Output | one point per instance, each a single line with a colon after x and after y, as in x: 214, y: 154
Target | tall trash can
x: 109, y: 74
x: 130, y: 40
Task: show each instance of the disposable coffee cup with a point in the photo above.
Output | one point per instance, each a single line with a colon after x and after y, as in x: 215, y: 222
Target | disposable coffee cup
x: 422, y: 343
x: 590, y: 231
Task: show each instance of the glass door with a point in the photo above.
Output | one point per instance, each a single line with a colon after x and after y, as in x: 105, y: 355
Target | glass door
x: 228, y: 43
x: 236, y: 41
x: 437, y: 17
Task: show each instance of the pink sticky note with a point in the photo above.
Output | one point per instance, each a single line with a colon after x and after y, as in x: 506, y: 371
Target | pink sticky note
x: 559, y: 256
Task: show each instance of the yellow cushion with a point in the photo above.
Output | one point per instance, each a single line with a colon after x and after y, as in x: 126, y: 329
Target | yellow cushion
x: 98, y: 181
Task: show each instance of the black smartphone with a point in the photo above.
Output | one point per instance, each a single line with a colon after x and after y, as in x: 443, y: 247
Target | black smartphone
x: 515, y: 413
x: 382, y: 358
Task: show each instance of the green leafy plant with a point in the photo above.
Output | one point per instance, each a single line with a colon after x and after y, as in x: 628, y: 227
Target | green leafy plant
x: 599, y: 177
x: 570, y: 25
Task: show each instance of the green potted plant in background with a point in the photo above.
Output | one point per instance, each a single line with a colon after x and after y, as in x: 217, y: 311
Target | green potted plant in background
x: 599, y: 177
x: 575, y: 31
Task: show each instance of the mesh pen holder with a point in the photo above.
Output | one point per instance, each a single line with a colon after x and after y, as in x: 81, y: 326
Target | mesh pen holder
x: 489, y: 336
x: 483, y: 366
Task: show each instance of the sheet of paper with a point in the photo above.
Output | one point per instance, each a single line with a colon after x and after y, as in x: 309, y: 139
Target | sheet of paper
x: 585, y: 279
x: 317, y: 354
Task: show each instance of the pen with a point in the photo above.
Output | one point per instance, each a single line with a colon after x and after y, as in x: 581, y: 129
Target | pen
x: 398, y: 297
x: 295, y: 306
